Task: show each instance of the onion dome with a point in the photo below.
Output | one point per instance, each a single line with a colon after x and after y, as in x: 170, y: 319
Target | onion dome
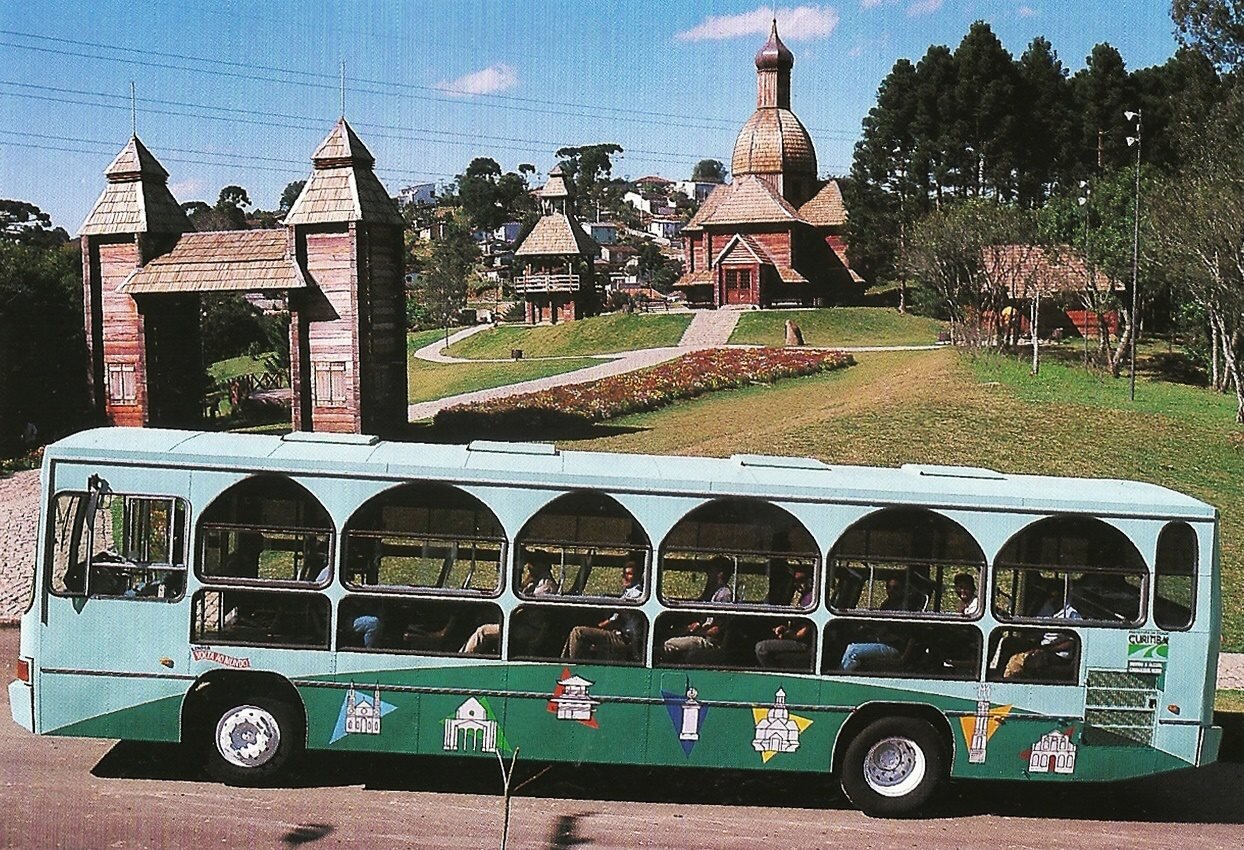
x: 774, y: 55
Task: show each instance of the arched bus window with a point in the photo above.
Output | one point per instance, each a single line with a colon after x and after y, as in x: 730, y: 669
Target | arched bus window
x: 890, y: 567
x: 424, y: 536
x: 582, y: 547
x: 1060, y: 570
x: 723, y: 559
x: 127, y: 546
x: 263, y: 530
x: 742, y: 552
x: 906, y: 560
x: 269, y: 541
x: 1070, y: 567
x: 1174, y: 577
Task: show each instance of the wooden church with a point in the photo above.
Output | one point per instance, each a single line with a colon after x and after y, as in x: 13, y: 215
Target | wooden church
x: 774, y: 235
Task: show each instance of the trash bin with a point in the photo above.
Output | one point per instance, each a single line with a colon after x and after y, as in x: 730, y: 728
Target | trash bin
x: 516, y: 353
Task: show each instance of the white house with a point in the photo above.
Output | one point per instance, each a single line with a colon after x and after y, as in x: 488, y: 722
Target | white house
x: 696, y: 190
x: 420, y: 194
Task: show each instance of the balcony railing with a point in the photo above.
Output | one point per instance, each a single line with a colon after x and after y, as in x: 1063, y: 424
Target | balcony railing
x: 529, y: 283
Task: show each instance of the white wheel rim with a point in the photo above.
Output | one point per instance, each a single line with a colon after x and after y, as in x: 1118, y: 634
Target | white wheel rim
x: 248, y: 736
x: 895, y: 766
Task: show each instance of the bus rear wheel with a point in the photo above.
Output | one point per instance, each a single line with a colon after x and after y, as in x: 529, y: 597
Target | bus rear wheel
x: 249, y: 741
x: 893, y: 767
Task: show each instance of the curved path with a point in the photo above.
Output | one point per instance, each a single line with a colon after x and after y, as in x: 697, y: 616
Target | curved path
x: 708, y: 329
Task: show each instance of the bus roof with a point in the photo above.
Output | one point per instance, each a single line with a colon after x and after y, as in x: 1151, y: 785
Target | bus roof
x: 544, y: 465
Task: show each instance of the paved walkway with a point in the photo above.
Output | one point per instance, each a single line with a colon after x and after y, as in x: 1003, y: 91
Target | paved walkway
x: 708, y: 329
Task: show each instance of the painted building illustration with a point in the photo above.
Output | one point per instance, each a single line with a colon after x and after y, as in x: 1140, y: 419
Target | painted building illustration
x: 980, y: 727
x: 1054, y: 753
x: 574, y: 702
x: 777, y: 730
x: 690, y: 728
x: 471, y: 729
x: 362, y: 714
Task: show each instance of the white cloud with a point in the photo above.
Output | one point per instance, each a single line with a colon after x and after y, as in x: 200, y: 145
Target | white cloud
x: 188, y: 189
x: 798, y: 24
x: 870, y: 4
x: 1027, y: 12
x: 496, y: 77
x: 924, y: 7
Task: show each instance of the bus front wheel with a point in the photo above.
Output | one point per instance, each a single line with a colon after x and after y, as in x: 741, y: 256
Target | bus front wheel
x: 249, y: 741
x: 893, y: 766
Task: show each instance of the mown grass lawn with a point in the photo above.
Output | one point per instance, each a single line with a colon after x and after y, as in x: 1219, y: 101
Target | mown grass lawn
x: 600, y: 335
x: 428, y: 381
x: 947, y: 407
x: 837, y: 326
x: 234, y: 367
x: 1229, y: 700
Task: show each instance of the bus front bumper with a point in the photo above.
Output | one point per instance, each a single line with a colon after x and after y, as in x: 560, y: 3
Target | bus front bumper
x: 22, y: 704
x: 1207, y: 750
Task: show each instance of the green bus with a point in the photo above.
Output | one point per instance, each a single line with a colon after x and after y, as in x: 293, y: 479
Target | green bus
x: 253, y: 596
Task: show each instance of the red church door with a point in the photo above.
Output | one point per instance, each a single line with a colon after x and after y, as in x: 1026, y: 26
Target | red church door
x: 739, y: 283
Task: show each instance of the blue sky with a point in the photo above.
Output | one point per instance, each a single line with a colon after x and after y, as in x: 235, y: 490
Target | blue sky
x: 240, y: 92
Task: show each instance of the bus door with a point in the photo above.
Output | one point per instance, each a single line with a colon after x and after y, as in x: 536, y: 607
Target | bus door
x: 113, y: 654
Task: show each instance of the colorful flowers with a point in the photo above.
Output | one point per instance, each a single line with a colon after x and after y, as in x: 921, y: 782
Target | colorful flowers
x: 646, y: 389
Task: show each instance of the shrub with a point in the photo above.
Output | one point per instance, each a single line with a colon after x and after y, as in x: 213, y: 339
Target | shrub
x: 578, y: 405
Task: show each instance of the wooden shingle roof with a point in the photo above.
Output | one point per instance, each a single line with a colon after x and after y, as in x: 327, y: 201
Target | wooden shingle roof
x: 748, y: 200
x: 1024, y: 270
x: 756, y: 251
x: 224, y: 261
x: 773, y: 141
x: 557, y: 234
x: 343, y: 187
x: 556, y: 186
x: 826, y: 209
x: 136, y: 198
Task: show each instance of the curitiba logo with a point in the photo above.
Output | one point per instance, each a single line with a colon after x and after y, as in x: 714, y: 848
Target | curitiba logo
x: 1147, y: 652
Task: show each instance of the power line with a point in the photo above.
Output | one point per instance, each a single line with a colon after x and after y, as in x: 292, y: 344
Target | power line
x: 309, y: 123
x: 324, y: 81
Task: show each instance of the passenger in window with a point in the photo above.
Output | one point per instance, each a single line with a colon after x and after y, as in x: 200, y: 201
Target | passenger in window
x: 537, y: 581
x: 965, y: 589
x: 1053, y: 656
x: 890, y: 648
x: 615, y: 637
x: 717, y: 586
x: 790, y: 648
x: 538, y: 578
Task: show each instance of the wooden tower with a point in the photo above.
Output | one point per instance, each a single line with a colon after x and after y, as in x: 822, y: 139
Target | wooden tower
x: 348, y: 326
x: 144, y: 352
x: 559, y: 283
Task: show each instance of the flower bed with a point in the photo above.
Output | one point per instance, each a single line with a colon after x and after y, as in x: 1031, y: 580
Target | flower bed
x: 646, y: 389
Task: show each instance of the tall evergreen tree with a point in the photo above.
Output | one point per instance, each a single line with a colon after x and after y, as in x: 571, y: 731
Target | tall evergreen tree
x: 881, y: 192
x: 1103, y: 92
x: 987, y: 89
x: 933, y: 160
x: 1047, y: 123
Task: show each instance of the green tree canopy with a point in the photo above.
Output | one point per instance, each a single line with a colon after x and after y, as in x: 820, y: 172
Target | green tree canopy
x: 709, y: 171
x: 1214, y: 27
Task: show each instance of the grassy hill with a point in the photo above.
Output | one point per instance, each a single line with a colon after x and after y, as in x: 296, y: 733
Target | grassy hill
x: 428, y: 381
x: 944, y: 406
x: 839, y: 326
x: 600, y: 335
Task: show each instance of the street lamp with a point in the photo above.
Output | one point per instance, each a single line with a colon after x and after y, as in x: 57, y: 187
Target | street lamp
x: 1134, y: 141
x: 1089, y: 281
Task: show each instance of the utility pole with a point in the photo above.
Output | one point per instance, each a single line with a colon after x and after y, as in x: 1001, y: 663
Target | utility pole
x: 1134, y: 141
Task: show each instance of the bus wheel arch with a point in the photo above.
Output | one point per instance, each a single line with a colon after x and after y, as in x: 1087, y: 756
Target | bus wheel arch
x: 244, y: 725
x: 892, y: 758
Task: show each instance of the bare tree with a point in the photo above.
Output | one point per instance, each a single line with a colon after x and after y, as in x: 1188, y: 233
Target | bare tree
x: 977, y: 256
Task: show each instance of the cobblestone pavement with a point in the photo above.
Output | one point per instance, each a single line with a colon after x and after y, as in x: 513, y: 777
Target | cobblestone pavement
x: 19, y: 518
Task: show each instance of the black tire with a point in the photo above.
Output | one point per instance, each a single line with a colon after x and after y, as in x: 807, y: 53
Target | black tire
x: 249, y: 740
x: 893, y: 767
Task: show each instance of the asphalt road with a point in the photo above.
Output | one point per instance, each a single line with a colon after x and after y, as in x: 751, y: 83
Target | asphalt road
x: 102, y: 794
